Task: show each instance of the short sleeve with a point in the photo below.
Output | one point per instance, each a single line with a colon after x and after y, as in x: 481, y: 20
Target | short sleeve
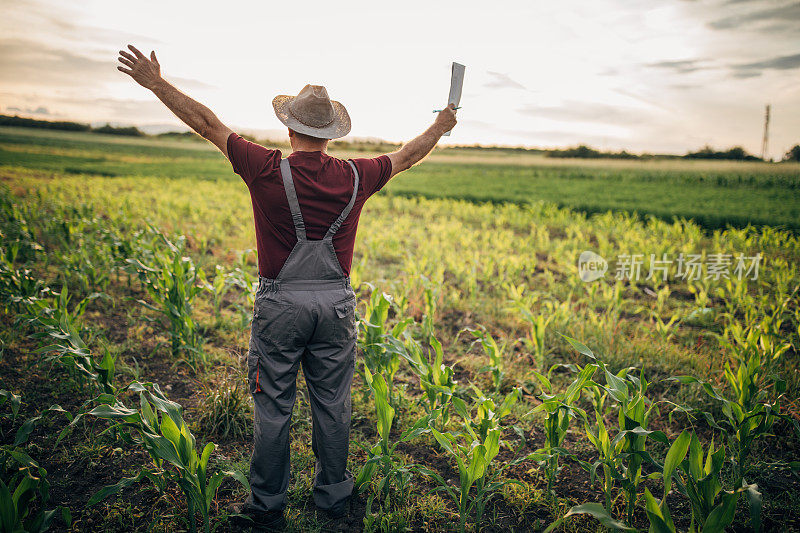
x: 374, y: 173
x: 248, y: 158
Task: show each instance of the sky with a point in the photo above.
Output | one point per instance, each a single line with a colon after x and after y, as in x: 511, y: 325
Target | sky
x: 664, y: 76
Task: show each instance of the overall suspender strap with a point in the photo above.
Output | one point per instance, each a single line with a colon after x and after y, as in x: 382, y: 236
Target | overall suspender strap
x: 291, y: 196
x: 338, y: 222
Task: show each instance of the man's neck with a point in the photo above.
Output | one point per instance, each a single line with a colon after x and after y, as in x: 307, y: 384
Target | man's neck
x: 299, y: 146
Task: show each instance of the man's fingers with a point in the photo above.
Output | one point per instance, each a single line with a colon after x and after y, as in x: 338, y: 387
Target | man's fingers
x: 153, y: 57
x: 136, y: 51
x: 126, y: 55
x: 126, y: 71
x: 126, y: 62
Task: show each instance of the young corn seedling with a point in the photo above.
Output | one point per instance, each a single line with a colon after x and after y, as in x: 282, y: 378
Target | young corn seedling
x: 474, y: 449
x: 171, y: 281
x: 382, y: 458
x: 698, y: 478
x: 494, y: 352
x: 621, y: 458
x: 25, y: 494
x: 380, y: 345
x: 14, y: 401
x: 436, y: 378
x: 18, y: 287
x: 535, y: 340
x: 16, y: 234
x: 158, y: 426
x: 665, y: 329
x: 56, y: 328
x: 559, y: 410
x: 755, y: 389
x: 218, y: 288
x: 712, y: 508
x: 242, y: 279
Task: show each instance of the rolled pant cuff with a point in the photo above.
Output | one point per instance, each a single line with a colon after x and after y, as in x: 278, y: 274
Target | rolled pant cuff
x: 326, y: 496
x: 266, y: 502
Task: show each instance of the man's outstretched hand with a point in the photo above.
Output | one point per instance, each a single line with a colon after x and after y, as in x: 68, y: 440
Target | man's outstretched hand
x: 146, y: 72
x: 446, y: 119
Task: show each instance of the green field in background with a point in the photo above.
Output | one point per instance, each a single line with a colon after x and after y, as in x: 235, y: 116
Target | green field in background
x: 714, y: 194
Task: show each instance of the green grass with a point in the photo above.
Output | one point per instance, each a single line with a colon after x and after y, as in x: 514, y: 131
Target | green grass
x: 712, y: 198
x: 713, y: 194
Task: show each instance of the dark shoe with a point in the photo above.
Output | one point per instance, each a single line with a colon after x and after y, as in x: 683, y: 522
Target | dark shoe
x: 340, y: 510
x: 245, y: 517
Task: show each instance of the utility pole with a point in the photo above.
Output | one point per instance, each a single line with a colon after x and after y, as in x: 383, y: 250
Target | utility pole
x: 765, y: 142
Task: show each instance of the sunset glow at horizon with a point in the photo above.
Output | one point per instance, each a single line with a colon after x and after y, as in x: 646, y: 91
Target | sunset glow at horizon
x: 612, y: 74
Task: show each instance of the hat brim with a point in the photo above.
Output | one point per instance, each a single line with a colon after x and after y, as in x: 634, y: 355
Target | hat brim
x: 339, y: 127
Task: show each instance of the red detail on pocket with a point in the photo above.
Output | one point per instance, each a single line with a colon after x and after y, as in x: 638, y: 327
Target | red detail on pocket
x: 258, y: 385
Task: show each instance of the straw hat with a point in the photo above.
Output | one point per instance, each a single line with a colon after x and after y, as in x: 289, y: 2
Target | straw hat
x: 312, y: 112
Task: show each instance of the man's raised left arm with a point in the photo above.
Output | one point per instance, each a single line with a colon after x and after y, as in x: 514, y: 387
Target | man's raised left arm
x: 147, y: 73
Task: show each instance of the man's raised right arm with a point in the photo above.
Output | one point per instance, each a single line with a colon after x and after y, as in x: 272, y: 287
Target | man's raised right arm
x: 416, y: 149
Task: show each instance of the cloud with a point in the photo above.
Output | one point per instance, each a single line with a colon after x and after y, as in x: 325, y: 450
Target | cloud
x: 23, y: 62
x: 574, y: 111
x: 502, y: 81
x: 781, y: 14
x: 755, y: 69
x: 684, y: 86
x: 41, y: 110
x: 27, y: 61
x: 682, y: 66
x: 777, y: 63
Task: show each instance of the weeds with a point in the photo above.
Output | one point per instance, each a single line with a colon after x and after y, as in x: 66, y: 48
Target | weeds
x: 225, y: 412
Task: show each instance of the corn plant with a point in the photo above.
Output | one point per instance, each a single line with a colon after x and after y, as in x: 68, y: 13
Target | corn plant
x: 25, y: 494
x: 382, y: 458
x: 436, y: 378
x: 700, y: 481
x: 14, y: 401
x: 535, y: 339
x: 665, y: 329
x: 158, y: 426
x: 378, y: 343
x: 91, y: 265
x: 621, y: 457
x: 713, y: 509
x: 559, y: 410
x: 55, y: 326
x: 473, y: 450
x: 18, y: 287
x: 741, y: 428
x: 494, y: 352
x: 219, y: 287
x: 16, y: 233
x: 171, y: 280
x: 755, y: 389
x: 244, y: 280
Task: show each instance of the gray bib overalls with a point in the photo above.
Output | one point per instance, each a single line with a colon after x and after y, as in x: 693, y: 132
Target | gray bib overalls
x: 305, y: 315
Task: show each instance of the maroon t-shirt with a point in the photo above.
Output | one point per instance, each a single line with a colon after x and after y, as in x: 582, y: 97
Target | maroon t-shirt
x: 324, y: 185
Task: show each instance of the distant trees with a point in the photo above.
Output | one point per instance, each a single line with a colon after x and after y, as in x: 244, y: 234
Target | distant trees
x: 793, y: 154
x: 737, y: 153
x: 6, y: 120
x: 129, y: 131
x: 585, y: 152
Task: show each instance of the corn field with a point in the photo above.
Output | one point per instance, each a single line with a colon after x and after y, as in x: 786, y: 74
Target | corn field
x: 496, y: 390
